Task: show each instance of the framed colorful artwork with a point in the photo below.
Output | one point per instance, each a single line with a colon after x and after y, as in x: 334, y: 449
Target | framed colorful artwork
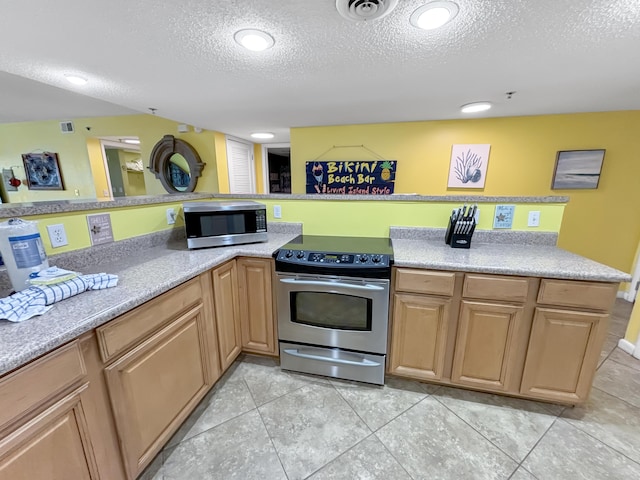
x: 42, y: 171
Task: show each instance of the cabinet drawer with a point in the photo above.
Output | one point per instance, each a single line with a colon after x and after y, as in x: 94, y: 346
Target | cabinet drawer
x: 495, y: 287
x: 128, y: 329
x: 425, y: 281
x: 597, y: 296
x: 33, y: 385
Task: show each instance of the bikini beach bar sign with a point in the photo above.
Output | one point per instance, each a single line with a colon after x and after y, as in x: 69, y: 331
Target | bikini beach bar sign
x: 357, y: 177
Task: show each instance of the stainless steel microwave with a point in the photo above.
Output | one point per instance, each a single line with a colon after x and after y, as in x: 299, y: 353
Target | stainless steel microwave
x: 215, y: 224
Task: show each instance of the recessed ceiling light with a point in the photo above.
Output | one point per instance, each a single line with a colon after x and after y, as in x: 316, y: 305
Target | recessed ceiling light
x: 76, y: 80
x: 254, y: 40
x: 262, y: 135
x: 132, y: 141
x: 475, y: 107
x: 434, y: 15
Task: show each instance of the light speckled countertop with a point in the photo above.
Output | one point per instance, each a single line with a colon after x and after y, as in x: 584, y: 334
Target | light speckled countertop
x: 148, y: 273
x: 62, y: 206
x: 142, y: 277
x: 507, y: 259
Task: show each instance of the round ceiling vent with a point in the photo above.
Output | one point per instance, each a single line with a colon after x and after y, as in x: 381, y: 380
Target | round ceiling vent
x: 363, y: 10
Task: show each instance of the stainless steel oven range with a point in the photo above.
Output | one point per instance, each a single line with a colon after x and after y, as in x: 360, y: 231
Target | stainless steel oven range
x: 333, y: 306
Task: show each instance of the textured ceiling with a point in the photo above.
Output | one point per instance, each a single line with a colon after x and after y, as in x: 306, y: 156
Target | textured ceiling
x: 180, y: 57
x: 24, y: 100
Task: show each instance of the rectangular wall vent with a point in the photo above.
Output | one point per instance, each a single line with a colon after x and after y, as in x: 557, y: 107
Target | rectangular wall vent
x: 66, y: 127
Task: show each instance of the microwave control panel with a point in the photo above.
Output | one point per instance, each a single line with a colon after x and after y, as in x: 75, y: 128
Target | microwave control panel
x: 261, y: 220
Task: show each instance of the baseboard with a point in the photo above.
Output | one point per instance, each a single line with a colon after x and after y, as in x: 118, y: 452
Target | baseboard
x: 626, y: 346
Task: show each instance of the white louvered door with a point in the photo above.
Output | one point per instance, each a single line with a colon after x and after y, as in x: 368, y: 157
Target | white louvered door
x: 240, y: 164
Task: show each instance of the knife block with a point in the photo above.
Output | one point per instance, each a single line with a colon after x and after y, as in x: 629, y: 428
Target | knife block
x: 458, y: 240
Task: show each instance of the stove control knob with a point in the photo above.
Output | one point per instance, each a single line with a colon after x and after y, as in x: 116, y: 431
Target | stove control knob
x: 300, y: 254
x: 289, y: 254
x: 364, y: 258
x: 376, y: 259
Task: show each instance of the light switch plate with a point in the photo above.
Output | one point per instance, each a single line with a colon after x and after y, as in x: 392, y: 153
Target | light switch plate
x: 534, y: 219
x: 171, y: 216
x: 100, y: 230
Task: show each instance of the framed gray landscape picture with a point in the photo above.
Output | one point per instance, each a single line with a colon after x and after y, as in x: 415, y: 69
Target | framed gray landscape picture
x: 577, y: 169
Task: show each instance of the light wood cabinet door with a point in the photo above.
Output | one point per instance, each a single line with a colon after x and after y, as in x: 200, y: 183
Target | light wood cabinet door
x: 225, y: 306
x: 564, y: 348
x: 54, y: 445
x: 485, y: 345
x: 256, y: 305
x: 155, y: 386
x: 419, y: 336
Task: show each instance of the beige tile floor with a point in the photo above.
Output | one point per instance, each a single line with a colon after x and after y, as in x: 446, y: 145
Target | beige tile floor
x: 259, y: 422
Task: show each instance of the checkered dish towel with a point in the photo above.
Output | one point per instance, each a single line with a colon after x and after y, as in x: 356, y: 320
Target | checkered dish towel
x: 37, y: 300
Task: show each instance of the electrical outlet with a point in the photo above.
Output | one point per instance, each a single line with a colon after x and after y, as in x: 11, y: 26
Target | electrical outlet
x: 171, y: 216
x: 57, y: 235
x: 534, y: 219
x: 277, y: 211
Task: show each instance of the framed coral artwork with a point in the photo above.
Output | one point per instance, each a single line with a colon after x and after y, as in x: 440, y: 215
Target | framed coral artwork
x: 468, y: 167
x: 42, y: 171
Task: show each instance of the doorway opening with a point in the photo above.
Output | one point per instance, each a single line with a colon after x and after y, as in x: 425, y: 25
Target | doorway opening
x: 277, y: 167
x: 118, y: 170
x: 634, y: 288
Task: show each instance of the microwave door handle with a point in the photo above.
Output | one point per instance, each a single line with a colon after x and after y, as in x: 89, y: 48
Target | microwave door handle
x: 362, y: 363
x: 313, y: 283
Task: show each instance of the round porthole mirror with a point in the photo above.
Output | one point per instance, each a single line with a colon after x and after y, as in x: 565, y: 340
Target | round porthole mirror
x: 178, y: 172
x: 176, y: 164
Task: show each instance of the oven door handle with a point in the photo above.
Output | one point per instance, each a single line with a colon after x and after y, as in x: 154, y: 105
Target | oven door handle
x: 361, y: 363
x: 318, y: 283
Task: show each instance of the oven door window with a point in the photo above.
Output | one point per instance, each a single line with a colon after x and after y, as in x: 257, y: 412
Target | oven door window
x: 331, y: 310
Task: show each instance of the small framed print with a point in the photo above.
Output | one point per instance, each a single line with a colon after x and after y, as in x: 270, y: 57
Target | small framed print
x: 42, y: 171
x: 468, y: 167
x: 577, y: 169
x: 503, y: 217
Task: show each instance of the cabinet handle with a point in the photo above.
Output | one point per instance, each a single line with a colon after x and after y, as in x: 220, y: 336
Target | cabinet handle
x: 361, y: 363
x: 313, y: 283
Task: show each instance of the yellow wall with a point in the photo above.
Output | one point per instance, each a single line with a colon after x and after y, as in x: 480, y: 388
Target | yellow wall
x: 601, y: 224
x: 126, y: 222
x: 257, y: 161
x: 98, y: 171
x: 37, y: 137
x: 373, y: 218
x: 222, y: 168
x: 316, y: 215
x: 18, y: 138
